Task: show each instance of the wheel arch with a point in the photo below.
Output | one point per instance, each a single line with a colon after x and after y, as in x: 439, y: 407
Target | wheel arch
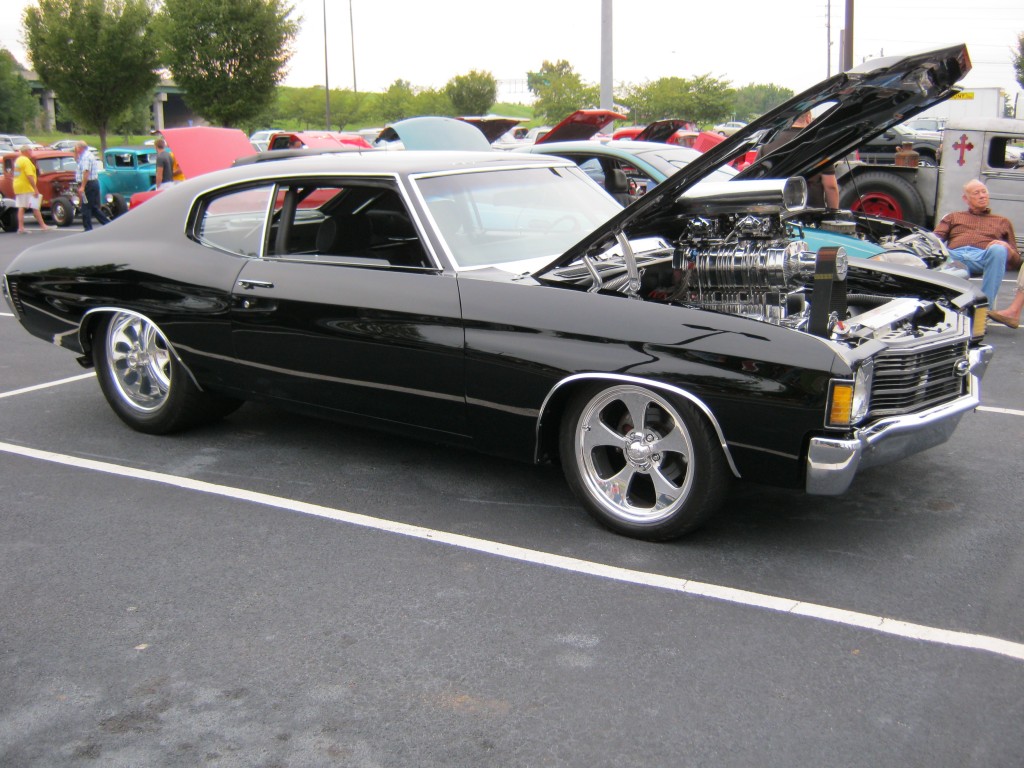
x: 92, y: 319
x: 551, y: 410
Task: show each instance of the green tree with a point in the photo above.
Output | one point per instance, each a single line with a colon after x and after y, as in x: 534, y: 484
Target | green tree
x: 430, y: 101
x: 98, y: 56
x: 560, y: 91
x: 473, y: 93
x: 397, y: 102
x: 18, y: 106
x: 708, y: 99
x: 704, y: 99
x: 755, y: 99
x: 228, y: 55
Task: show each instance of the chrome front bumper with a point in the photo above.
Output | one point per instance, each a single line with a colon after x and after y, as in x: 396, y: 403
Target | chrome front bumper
x: 833, y: 462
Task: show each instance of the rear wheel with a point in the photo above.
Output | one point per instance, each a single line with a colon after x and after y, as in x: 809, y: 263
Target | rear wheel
x: 62, y: 211
x: 144, y: 382
x: 643, y: 464
x: 883, y: 194
x: 8, y: 219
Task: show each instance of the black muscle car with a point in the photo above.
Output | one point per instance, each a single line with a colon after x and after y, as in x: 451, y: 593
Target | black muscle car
x: 505, y: 302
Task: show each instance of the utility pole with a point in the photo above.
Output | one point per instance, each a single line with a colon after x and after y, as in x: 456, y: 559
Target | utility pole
x: 352, y: 34
x: 606, y: 55
x: 848, y: 38
x: 327, y: 84
x: 828, y: 39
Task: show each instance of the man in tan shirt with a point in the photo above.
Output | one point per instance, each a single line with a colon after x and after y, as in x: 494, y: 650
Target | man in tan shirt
x: 981, y: 240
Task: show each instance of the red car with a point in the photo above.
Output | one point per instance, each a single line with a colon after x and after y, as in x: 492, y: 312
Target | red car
x: 55, y: 175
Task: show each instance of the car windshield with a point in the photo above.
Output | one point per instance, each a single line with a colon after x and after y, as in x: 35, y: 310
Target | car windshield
x: 500, y: 217
x: 55, y: 164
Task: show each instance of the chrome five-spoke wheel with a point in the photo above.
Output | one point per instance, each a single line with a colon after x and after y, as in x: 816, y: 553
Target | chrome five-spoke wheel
x: 642, y: 463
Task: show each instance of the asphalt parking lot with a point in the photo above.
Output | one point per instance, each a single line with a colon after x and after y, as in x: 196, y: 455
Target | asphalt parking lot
x: 279, y: 591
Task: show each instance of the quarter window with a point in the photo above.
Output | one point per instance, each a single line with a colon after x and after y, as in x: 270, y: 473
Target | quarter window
x: 234, y: 222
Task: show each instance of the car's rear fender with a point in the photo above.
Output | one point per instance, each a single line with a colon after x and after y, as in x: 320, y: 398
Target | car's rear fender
x: 94, y: 318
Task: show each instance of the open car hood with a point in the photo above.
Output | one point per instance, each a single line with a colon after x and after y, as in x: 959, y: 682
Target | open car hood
x: 433, y: 133
x: 859, y: 104
x: 663, y: 130
x: 581, y: 125
x: 493, y: 127
x: 202, y: 149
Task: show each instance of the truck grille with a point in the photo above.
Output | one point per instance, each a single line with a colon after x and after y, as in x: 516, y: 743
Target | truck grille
x: 909, y: 380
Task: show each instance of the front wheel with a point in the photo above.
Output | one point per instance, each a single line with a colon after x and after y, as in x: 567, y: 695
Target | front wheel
x: 115, y: 207
x: 62, y: 211
x: 146, y: 385
x: 643, y: 465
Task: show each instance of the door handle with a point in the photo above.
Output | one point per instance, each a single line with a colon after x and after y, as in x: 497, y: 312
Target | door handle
x: 251, y: 284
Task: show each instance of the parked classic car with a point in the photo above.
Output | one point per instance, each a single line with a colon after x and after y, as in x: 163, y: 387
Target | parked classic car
x: 55, y: 175
x: 504, y: 302
x: 316, y: 139
x: 729, y: 128
x: 126, y: 170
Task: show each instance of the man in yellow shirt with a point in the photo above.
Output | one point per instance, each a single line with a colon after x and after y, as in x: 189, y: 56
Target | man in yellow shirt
x: 26, y: 191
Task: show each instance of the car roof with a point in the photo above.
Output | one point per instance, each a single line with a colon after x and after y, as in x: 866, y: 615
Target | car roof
x: 379, y: 161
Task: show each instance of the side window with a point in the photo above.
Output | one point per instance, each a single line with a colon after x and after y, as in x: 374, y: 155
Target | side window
x: 1003, y: 154
x: 592, y: 167
x: 234, y: 221
x: 350, y: 224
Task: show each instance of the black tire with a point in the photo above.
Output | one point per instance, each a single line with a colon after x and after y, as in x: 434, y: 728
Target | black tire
x: 8, y: 219
x: 62, y: 211
x: 880, y: 193
x: 143, y: 381
x: 655, y: 481
x: 115, y: 207
x: 927, y: 160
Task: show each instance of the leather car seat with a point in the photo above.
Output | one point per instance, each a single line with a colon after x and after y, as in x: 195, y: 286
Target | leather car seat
x: 617, y: 185
x: 343, y: 236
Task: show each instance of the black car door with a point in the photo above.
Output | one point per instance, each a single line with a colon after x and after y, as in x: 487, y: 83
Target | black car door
x: 344, y: 310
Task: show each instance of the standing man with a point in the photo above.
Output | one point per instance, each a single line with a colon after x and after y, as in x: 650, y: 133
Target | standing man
x: 822, y: 188
x: 26, y: 190
x: 164, y: 165
x: 88, y: 180
x: 176, y: 173
x: 979, y: 239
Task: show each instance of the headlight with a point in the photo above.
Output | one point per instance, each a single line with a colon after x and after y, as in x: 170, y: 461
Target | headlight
x: 848, y: 401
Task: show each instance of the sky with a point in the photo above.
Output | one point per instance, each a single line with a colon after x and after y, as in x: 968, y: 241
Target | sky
x: 428, y: 43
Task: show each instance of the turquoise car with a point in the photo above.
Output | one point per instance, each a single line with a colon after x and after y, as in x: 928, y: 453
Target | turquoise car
x: 126, y: 170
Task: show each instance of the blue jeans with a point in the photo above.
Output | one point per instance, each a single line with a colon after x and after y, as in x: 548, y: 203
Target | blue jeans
x: 91, y: 206
x: 989, y: 262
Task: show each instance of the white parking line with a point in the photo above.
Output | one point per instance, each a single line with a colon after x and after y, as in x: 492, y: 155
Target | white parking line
x: 46, y: 385
x: 1004, y: 411
x: 685, y: 586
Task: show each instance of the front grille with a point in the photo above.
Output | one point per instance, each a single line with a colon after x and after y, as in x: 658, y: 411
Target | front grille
x: 913, y: 379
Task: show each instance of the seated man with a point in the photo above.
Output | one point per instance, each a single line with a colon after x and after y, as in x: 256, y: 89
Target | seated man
x: 979, y: 239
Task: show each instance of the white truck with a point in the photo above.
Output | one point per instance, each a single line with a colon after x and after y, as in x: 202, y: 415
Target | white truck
x: 988, y: 149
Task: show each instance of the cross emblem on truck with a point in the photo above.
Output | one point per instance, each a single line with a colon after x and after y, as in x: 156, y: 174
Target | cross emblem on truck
x: 962, y: 145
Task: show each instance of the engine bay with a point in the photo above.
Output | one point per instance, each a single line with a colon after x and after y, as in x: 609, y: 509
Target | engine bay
x: 753, y: 265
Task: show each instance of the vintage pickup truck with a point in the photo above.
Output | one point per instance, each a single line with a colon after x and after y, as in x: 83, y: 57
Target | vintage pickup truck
x: 972, y: 148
